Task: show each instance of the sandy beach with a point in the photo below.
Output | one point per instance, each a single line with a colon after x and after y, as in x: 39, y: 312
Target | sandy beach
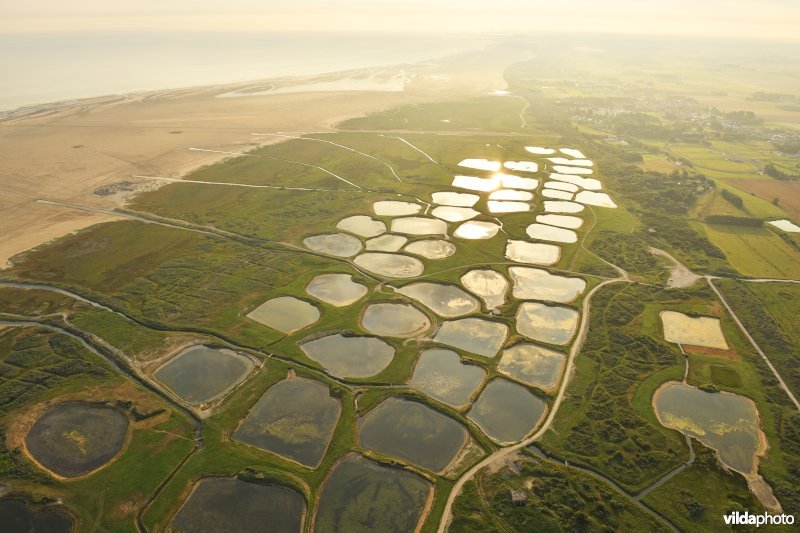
x: 65, y: 151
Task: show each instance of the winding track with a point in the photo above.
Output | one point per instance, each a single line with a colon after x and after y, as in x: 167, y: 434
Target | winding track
x: 503, y: 452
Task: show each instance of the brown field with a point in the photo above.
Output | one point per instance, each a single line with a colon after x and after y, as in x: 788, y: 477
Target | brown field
x: 713, y: 352
x: 788, y: 192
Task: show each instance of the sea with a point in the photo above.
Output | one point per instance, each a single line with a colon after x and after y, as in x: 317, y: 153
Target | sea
x: 38, y: 68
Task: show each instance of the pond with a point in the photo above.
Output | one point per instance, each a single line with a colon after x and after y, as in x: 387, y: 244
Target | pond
x: 350, y: 357
x: 511, y: 194
x: 336, y: 244
x: 74, y: 438
x: 723, y: 421
x: 476, y: 184
x: 419, y: 226
x: 551, y: 233
x: 295, y: 418
x: 455, y: 199
x: 394, y: 320
x: 480, y: 164
x: 698, y: 331
x: 393, y: 208
x: 785, y: 225
x: 412, y: 432
x: 386, y: 243
x: 286, y: 314
x: 538, y: 150
x: 532, y: 364
x: 491, y: 286
x: 444, y: 300
x: 475, y: 230
x: 362, y: 225
x: 538, y: 284
x: 496, y: 206
x: 432, y: 248
x: 561, y: 169
x: 561, y: 186
x: 590, y: 184
x: 390, y: 265
x: 572, y: 162
x: 515, y: 182
x: 475, y: 335
x: 200, y: 374
x: 454, y: 214
x: 440, y: 374
x: 361, y: 495
x: 572, y: 152
x: 522, y: 166
x: 338, y: 290
x: 535, y: 253
x: 562, y: 221
x: 558, y: 206
x: 556, y: 194
x: 506, y: 411
x: 229, y: 504
x: 547, y: 323
x: 16, y: 516
x: 599, y: 199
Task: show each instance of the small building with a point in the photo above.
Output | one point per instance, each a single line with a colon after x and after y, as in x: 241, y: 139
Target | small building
x: 519, y: 498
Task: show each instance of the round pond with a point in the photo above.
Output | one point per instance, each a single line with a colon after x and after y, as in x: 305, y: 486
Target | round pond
x: 350, y: 357
x: 74, y: 438
x: 394, y: 320
x: 336, y: 289
x: 441, y: 374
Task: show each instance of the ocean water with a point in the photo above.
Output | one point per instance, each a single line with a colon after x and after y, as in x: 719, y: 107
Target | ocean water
x: 45, y: 67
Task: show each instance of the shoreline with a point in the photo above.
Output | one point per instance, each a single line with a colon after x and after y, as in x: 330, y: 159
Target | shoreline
x: 67, y: 151
x: 755, y: 482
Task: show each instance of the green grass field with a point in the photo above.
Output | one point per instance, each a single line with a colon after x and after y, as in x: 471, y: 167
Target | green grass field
x: 755, y: 252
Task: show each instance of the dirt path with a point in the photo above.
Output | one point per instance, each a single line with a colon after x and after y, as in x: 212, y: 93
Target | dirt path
x: 503, y: 452
x: 680, y: 277
x: 633, y: 498
x: 351, y: 149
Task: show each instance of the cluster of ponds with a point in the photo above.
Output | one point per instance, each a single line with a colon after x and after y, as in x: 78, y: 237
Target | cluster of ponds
x: 295, y: 419
x: 392, y: 241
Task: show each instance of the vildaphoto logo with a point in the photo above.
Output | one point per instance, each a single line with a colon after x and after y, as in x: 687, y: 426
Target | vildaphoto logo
x: 747, y: 519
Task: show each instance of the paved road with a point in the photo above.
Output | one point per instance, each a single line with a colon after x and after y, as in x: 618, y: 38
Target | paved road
x: 753, y: 343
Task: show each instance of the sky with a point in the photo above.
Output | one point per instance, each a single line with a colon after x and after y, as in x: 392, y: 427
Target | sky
x: 768, y: 19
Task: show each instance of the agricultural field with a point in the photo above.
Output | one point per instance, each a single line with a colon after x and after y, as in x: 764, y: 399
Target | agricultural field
x: 755, y: 252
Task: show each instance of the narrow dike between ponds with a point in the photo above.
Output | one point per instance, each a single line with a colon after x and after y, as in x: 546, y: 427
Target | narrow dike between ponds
x: 103, y: 351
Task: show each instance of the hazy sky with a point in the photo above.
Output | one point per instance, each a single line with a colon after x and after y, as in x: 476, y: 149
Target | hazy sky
x: 776, y: 19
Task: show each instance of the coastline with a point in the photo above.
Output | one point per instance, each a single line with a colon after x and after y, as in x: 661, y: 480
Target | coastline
x: 65, y: 151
